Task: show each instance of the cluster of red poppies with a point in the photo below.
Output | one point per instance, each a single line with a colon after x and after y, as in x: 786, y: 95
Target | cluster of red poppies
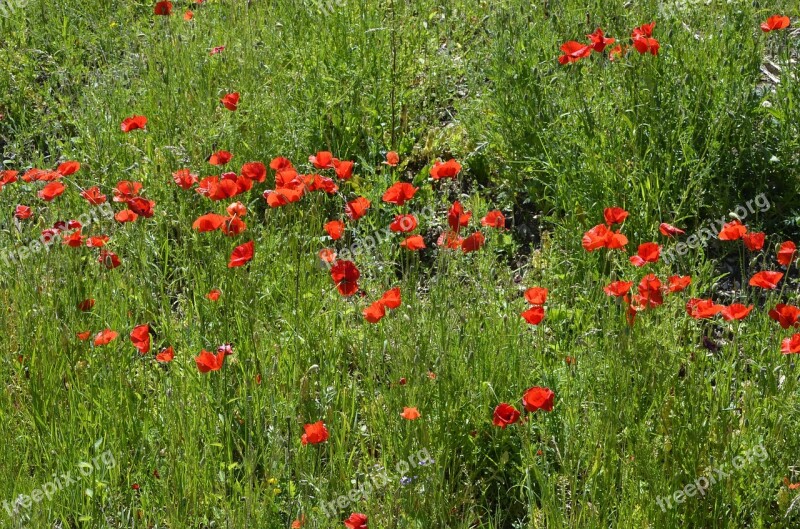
x: 651, y: 291
x: 534, y: 399
x: 642, y: 41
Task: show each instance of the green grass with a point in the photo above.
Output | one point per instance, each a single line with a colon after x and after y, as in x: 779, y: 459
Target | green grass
x: 643, y: 411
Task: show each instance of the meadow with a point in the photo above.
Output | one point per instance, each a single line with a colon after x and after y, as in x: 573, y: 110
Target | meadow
x: 399, y: 264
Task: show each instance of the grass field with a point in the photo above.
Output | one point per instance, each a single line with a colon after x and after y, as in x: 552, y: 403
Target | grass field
x: 195, y: 384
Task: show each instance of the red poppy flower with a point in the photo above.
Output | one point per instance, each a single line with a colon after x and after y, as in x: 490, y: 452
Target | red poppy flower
x: 646, y: 45
x: 754, y: 241
x: 132, y: 123
x: 791, y: 345
x: 732, y: 231
x: 220, y: 158
x: 736, y: 311
x: 255, y: 171
x: 505, y: 414
x: 700, y: 309
x: 456, y: 217
x: 645, y: 30
x: 473, y: 243
x: 109, y: 259
x: 140, y: 337
x: 414, y: 243
x: 188, y: 15
x: 242, y: 255
x: 206, y: 361
x: 142, y: 206
x: 602, y: 237
x: 355, y: 209
x: 74, y: 240
x: 184, y: 178
x: 448, y: 169
x: 494, y: 219
x: 97, y: 241
x: 787, y: 253
x: 450, y: 240
x: 345, y: 275
x: 786, y: 315
x: 40, y: 175
x: 356, y: 521
x: 83, y: 336
x: 375, y: 312
x: 8, y: 177
x: 216, y: 49
x: 166, y: 355
x: 595, y: 238
x: 648, y: 252
x: 280, y: 163
x: 126, y: 190
x: 105, y: 337
x: 392, y: 159
x: 668, y: 230
x: 230, y: 101
x: 335, y: 229
x: 618, y: 288
x: 536, y: 296
x: 125, y: 215
x: 163, y: 8
x: 283, y: 196
x: 51, y: 191
x: 86, y: 305
x: 538, y: 398
x: 233, y: 226
x: 50, y: 234
x: 403, y: 224
x: 650, y: 291
x: 322, y: 160
x: 774, y: 23
x: 615, y: 215
x: 344, y: 170
x: 236, y: 209
x: 68, y: 168
x: 93, y: 196
x: 678, y: 283
x: 399, y: 193
x: 410, y: 414
x: 315, y: 433
x: 533, y: 315
x: 766, y: 279
x: 599, y: 40
x: 391, y: 298
x: 22, y: 212
x: 574, y: 51
x: 327, y: 255
x: 214, y: 294
x: 322, y: 183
